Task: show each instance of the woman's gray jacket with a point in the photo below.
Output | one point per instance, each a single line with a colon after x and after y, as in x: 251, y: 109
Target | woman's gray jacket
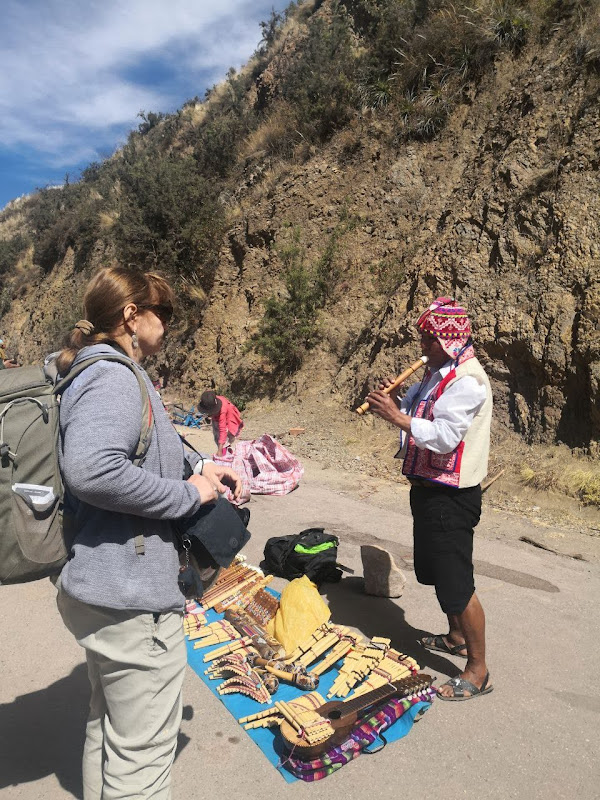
x: 112, y: 501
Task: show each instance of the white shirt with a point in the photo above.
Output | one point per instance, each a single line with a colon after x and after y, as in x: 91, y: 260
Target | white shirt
x: 453, y: 412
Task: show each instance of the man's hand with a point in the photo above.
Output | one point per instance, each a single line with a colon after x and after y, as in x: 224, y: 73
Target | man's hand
x: 383, y: 383
x: 9, y: 363
x: 385, y: 407
x: 220, y: 475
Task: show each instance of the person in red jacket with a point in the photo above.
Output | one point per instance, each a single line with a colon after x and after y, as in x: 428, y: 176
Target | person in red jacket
x: 226, y: 419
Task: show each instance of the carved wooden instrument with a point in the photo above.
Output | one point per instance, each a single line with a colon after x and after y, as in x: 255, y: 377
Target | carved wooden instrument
x: 329, y: 725
x: 398, y: 382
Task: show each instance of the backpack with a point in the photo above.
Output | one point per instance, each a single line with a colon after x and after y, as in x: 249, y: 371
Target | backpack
x: 312, y: 553
x: 33, y: 529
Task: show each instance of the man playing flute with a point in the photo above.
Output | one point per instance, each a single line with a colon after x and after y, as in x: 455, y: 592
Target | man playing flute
x: 445, y: 428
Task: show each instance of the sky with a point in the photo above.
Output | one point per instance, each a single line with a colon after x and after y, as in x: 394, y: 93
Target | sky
x: 74, y: 74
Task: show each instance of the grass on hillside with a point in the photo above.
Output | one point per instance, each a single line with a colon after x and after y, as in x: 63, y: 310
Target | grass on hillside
x: 569, y: 479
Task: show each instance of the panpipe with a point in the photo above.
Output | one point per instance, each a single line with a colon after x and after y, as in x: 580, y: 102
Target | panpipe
x: 225, y: 594
x: 267, y: 646
x: 250, y: 685
x: 325, y: 637
x: 242, y: 645
x: 271, y: 717
x: 358, y: 664
x: 308, y: 725
x: 243, y: 593
x: 217, y: 632
x: 394, y: 667
x: 260, y: 605
x: 341, y: 649
x: 398, y: 382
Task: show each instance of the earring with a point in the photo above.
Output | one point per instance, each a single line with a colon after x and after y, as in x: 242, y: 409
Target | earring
x: 134, y: 341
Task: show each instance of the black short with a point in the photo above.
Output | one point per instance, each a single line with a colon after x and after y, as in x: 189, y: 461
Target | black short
x: 444, y: 519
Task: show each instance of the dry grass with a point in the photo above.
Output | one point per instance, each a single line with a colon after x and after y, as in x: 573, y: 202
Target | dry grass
x: 191, y: 287
x: 568, y: 476
x: 275, y: 136
x: 107, y: 220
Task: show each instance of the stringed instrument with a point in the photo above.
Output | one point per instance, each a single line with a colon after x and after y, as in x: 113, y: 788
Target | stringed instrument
x: 312, y: 732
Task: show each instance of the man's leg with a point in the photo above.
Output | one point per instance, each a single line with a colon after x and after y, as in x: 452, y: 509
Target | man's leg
x: 471, y: 628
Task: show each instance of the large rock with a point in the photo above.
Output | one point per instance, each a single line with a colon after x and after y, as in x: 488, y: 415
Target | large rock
x: 382, y: 576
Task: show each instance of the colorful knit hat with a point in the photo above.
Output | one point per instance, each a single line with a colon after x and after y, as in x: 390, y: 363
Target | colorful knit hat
x: 449, y: 323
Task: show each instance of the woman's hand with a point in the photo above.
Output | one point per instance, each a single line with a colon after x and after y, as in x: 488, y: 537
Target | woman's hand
x: 206, y: 488
x: 220, y: 475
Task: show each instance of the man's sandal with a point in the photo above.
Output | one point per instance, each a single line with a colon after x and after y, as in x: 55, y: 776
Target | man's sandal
x: 460, y: 685
x: 439, y: 644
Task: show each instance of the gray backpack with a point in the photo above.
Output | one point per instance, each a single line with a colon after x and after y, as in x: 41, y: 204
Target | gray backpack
x: 32, y: 527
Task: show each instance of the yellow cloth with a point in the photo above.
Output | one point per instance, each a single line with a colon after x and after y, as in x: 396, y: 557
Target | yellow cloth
x: 301, y: 611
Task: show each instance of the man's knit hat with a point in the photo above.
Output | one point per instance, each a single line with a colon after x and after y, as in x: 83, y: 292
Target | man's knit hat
x: 449, y: 323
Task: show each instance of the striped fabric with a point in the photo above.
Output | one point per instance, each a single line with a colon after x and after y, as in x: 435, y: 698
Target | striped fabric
x: 265, y: 467
x: 361, y: 737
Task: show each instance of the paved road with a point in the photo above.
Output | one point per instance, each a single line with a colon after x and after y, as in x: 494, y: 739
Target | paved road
x: 534, y: 737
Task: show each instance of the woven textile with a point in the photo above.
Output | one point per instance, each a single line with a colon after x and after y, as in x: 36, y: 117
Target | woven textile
x: 265, y: 467
x: 364, y: 735
x: 449, y: 323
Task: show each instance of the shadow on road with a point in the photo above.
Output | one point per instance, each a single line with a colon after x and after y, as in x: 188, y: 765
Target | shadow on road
x: 380, y: 616
x: 42, y: 733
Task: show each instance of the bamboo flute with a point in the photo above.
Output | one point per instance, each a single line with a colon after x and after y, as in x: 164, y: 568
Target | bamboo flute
x: 398, y: 382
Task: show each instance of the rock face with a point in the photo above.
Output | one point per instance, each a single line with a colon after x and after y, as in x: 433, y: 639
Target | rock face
x: 501, y: 211
x: 382, y: 576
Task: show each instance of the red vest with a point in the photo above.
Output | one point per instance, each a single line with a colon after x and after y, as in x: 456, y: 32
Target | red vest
x: 441, y: 468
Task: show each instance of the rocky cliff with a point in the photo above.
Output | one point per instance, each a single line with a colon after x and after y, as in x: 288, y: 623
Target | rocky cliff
x: 499, y: 209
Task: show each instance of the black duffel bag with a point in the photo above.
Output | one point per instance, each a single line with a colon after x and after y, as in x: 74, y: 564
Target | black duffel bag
x: 312, y: 553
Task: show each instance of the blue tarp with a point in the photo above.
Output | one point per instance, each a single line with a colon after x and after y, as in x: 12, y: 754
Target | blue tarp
x: 265, y: 738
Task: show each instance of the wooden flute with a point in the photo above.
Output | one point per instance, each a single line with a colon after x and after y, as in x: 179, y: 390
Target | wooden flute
x: 398, y: 382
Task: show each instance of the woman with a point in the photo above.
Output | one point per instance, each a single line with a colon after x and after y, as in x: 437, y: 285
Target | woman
x: 120, y: 599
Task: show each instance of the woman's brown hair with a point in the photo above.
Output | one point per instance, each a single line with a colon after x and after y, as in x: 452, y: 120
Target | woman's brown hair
x: 107, y: 294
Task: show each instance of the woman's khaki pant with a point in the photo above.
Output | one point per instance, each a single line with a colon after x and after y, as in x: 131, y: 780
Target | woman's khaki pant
x: 136, y: 667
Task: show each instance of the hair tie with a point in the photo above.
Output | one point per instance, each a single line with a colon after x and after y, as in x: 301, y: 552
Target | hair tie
x: 85, y: 327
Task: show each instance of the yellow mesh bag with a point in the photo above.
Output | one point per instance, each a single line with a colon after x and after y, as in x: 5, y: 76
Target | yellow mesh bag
x: 301, y: 611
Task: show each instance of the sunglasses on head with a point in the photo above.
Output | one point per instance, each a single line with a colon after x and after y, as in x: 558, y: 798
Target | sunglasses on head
x: 163, y: 311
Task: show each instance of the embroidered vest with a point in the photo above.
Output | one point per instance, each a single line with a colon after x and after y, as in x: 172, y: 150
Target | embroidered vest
x: 467, y: 464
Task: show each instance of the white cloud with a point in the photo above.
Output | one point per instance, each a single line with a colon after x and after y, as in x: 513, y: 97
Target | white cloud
x: 72, y: 73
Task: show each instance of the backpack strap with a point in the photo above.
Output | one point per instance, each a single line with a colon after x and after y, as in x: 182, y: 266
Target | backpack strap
x: 143, y: 444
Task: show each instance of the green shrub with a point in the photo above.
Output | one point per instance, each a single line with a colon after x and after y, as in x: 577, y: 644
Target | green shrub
x: 290, y: 325
x: 169, y: 217
x: 318, y: 83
